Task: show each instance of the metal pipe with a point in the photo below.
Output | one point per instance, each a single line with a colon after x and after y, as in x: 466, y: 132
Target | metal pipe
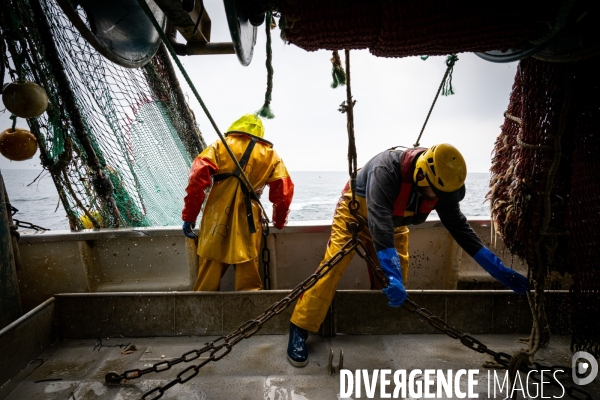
x: 171, y: 32
x: 196, y: 48
x: 28, y: 316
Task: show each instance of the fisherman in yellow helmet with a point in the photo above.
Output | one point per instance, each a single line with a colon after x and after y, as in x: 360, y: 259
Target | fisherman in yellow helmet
x: 396, y: 188
x: 230, y: 231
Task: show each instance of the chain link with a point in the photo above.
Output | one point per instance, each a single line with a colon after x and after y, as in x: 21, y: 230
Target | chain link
x: 467, y: 340
x: 28, y: 225
x: 13, y: 210
x: 500, y: 357
x: 266, y: 256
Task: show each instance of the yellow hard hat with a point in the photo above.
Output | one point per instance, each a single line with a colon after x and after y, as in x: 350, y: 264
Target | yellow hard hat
x: 444, y: 169
x: 249, y: 123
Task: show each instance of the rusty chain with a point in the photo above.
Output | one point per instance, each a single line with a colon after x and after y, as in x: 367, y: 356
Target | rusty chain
x: 266, y: 255
x: 21, y: 224
x: 28, y: 225
x: 224, y: 344
x: 467, y: 340
x: 13, y: 210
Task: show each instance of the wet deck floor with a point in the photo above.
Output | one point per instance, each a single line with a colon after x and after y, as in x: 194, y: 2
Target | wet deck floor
x: 257, y: 368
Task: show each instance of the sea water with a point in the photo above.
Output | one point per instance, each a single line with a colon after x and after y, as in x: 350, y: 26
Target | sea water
x: 315, y: 196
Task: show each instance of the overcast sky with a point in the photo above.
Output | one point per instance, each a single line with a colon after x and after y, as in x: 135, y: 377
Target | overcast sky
x: 393, y: 97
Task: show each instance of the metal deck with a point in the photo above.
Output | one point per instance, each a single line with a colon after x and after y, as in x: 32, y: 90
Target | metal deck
x: 64, y: 348
x: 257, y: 368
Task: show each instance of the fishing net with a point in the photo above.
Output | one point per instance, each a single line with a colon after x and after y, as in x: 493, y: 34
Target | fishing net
x: 118, y: 142
x: 391, y: 28
x: 544, y: 187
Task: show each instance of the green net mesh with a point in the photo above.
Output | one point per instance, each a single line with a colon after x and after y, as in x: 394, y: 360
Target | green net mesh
x: 105, y: 124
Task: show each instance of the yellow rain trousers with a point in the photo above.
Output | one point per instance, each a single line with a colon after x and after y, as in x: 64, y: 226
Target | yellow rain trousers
x: 210, y: 272
x: 224, y: 236
x: 312, y: 306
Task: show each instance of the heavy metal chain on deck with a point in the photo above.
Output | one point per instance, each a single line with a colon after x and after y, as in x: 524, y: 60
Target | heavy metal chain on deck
x: 500, y: 357
x: 223, y: 345
x: 219, y: 348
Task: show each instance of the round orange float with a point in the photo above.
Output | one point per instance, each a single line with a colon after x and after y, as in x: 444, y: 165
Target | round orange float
x: 17, y: 145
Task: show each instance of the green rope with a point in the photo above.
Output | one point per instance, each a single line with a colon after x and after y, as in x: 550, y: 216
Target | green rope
x: 337, y: 72
x: 58, y: 137
x: 265, y: 110
x: 447, y: 89
x: 165, y: 40
x: 446, y: 85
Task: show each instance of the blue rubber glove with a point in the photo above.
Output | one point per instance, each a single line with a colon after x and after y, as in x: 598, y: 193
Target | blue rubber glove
x: 508, y: 277
x: 188, y: 230
x: 390, y: 264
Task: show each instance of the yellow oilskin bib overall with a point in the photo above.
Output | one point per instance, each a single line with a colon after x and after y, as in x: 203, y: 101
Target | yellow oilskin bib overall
x: 225, y: 236
x: 312, y: 306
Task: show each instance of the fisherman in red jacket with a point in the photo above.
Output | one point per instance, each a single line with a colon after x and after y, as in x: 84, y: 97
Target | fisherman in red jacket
x: 396, y: 188
x: 230, y: 231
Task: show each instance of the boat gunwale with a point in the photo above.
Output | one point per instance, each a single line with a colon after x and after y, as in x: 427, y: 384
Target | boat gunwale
x: 319, y: 226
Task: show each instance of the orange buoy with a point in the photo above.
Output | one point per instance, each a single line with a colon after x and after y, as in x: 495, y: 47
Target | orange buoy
x: 25, y: 100
x: 18, y: 145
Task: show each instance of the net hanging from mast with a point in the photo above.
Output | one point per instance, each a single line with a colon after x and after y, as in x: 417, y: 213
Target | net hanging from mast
x: 545, y: 187
x: 391, y: 28
x: 118, y: 142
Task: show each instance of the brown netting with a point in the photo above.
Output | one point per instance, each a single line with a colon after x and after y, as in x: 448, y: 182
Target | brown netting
x: 392, y: 28
x: 544, y: 188
x: 583, y: 211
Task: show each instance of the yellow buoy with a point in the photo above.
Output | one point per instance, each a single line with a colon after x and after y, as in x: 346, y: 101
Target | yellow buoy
x: 17, y: 145
x: 25, y: 100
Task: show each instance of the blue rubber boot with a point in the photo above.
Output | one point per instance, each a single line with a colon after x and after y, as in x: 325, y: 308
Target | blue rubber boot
x: 297, y: 352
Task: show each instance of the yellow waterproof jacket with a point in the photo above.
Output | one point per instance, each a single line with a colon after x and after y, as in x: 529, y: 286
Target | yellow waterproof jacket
x: 224, y: 231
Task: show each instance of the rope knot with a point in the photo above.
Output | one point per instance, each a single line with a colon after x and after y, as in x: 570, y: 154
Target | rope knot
x: 520, y: 358
x: 337, y: 72
x: 265, y: 110
x: 344, y: 107
x: 447, y: 89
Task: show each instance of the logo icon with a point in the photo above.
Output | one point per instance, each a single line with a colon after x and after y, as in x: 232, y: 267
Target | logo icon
x: 581, y: 368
